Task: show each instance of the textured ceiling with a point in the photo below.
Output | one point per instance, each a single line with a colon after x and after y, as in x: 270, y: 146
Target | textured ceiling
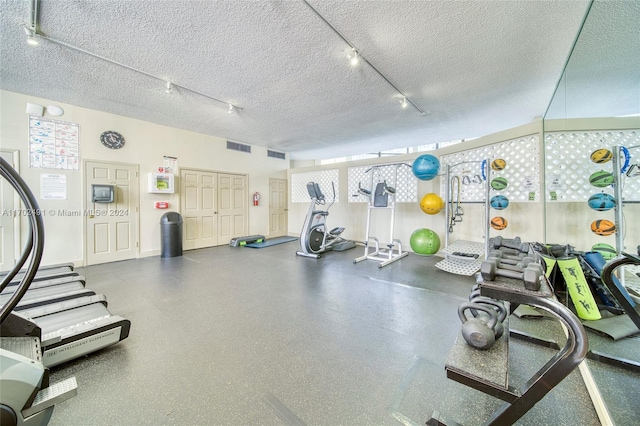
x: 477, y: 66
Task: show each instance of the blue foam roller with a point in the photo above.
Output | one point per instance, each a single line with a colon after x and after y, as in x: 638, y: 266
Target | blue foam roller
x: 597, y: 262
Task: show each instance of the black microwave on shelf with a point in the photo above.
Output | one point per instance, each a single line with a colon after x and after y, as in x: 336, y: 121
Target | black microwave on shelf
x: 102, y: 193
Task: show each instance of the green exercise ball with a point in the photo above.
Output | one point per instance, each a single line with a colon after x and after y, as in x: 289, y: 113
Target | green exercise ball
x: 424, y: 242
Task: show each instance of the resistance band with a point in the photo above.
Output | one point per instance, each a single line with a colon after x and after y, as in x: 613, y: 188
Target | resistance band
x: 458, y: 211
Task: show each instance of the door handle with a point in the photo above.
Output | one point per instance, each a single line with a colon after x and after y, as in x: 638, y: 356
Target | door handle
x: 91, y: 216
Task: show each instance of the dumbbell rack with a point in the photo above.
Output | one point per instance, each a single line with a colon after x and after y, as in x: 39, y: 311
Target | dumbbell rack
x: 517, y: 401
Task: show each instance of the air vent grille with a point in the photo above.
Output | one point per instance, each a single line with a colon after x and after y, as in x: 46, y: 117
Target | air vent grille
x: 238, y: 147
x: 275, y: 154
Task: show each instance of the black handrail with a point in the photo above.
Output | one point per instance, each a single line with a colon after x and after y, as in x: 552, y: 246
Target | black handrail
x: 607, y: 278
x: 35, y: 241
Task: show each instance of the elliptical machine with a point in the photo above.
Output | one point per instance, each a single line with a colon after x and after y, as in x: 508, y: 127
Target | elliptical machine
x: 314, y: 237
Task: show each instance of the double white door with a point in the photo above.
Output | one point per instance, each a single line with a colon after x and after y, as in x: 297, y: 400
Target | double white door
x: 214, y: 207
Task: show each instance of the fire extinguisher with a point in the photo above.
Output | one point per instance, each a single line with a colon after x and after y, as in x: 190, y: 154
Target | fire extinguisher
x: 256, y: 198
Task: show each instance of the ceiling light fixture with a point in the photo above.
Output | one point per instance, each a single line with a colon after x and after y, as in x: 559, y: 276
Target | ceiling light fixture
x: 30, y: 32
x: 231, y: 109
x: 361, y: 57
x: 33, y: 37
x: 353, y: 57
x: 167, y: 84
x: 32, y: 41
x: 403, y: 102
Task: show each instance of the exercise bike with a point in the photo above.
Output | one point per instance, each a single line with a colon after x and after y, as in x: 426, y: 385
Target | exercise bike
x: 315, y: 237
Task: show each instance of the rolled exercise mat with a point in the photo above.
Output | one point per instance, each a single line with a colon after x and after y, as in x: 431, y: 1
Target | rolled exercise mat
x: 597, y: 262
x: 578, y: 288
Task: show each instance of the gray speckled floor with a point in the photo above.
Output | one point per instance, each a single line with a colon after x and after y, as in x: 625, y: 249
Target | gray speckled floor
x: 243, y: 336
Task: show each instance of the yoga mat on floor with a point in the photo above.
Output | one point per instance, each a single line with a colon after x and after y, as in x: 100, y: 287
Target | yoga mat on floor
x: 271, y: 242
x: 617, y: 327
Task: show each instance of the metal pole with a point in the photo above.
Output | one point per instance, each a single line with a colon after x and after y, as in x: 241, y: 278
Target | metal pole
x: 617, y: 193
x: 446, y: 207
x: 487, y: 209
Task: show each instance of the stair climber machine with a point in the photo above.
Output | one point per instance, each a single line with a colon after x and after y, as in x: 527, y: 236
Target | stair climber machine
x: 27, y: 397
x: 74, y: 320
x: 315, y: 237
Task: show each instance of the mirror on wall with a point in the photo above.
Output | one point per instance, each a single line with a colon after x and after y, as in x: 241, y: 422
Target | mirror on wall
x: 592, y: 200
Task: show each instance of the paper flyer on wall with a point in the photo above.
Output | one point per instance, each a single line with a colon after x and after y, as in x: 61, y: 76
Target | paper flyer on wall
x: 53, y: 144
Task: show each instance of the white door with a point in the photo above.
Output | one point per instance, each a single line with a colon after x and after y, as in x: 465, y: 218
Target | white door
x: 9, y: 217
x: 232, y: 207
x: 111, y: 229
x: 198, y: 208
x: 278, y: 211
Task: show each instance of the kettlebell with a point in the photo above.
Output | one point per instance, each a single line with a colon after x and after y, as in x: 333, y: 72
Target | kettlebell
x: 475, y: 331
x: 501, y: 311
x: 475, y: 292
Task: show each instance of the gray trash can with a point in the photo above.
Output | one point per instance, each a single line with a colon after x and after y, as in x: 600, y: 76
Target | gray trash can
x: 171, y: 232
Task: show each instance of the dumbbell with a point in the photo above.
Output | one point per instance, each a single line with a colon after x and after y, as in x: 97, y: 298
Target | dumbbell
x: 507, y: 254
x: 521, y: 247
x: 477, y: 332
x: 521, y: 261
x: 515, y: 244
x: 529, y: 275
x: 514, y: 265
x: 497, y: 242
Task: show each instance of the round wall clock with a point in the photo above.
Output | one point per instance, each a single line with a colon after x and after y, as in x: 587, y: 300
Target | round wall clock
x: 111, y: 139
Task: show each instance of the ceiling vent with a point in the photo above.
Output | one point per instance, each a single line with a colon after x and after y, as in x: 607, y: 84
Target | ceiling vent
x: 275, y: 154
x: 238, y: 147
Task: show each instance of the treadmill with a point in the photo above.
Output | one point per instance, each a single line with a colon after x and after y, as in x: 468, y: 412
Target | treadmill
x: 50, y: 269
x: 28, y: 397
x: 47, y: 283
x: 74, y: 320
x: 41, y: 296
x: 46, y: 275
x: 76, y: 327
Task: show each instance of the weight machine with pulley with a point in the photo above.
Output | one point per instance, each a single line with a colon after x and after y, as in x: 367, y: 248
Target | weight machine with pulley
x: 462, y: 257
x: 382, y: 196
x: 454, y: 215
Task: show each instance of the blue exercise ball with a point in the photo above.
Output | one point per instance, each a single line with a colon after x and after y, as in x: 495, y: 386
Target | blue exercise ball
x: 426, y: 167
x: 499, y: 202
x: 602, y: 202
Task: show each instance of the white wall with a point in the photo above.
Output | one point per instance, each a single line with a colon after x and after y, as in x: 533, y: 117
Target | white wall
x: 569, y: 222
x: 146, y: 144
